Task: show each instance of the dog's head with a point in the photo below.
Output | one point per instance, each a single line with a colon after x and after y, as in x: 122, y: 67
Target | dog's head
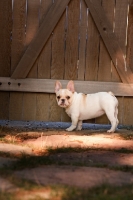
x: 64, y: 96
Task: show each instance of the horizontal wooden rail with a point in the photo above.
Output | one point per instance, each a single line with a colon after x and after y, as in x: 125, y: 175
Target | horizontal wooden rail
x: 47, y: 86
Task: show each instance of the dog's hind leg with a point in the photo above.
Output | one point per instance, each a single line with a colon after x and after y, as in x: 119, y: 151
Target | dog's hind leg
x: 79, y: 126
x: 116, y: 114
x: 113, y: 119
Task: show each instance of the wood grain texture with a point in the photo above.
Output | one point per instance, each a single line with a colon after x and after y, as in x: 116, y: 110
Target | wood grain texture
x: 32, y: 26
x: 41, y: 38
x: 5, y: 52
x: 17, y: 50
x: 127, y: 101
x: 5, y: 37
x: 72, y: 39
x: 130, y: 37
x: 18, y: 32
x: 72, y: 44
x: 83, y: 39
x: 120, y: 32
x: 44, y: 68
x: 110, y: 40
x: 92, y: 51
x: 127, y: 111
x: 58, y: 65
x: 104, y: 70
x: 47, y: 86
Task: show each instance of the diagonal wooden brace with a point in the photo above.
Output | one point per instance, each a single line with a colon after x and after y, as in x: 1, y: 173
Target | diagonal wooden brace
x: 110, y: 40
x: 40, y: 40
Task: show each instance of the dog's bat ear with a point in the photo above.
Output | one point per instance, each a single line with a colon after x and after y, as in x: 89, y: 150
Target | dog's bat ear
x: 58, y: 86
x: 70, y: 86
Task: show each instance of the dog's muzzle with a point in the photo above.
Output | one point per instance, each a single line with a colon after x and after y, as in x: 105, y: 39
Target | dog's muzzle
x: 62, y: 103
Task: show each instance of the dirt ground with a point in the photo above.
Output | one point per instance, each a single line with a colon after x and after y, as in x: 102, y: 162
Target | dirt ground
x: 42, y: 158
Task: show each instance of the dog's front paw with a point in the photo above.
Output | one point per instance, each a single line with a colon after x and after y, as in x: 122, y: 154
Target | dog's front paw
x: 71, y: 128
x: 110, y: 131
x: 79, y: 128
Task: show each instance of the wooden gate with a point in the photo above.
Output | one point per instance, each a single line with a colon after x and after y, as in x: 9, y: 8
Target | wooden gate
x: 89, y: 41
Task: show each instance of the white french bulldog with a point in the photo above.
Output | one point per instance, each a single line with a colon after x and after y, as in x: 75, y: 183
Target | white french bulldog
x: 81, y: 107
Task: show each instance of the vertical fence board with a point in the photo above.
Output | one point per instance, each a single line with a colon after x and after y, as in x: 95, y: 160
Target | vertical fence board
x: 128, y: 101
x: 5, y: 37
x: 82, y: 45
x: 32, y: 25
x: 120, y: 32
x: 5, y: 52
x: 92, y: 51
x: 71, y: 54
x: 17, y: 50
x: 57, y: 68
x: 44, y: 67
x: 104, y: 71
x: 130, y: 37
x: 128, y: 111
x: 72, y: 44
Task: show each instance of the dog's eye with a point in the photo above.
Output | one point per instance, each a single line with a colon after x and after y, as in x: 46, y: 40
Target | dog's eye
x: 68, y: 97
x: 58, y: 97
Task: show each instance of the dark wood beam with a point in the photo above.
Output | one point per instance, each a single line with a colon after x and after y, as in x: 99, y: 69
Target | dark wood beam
x: 40, y: 39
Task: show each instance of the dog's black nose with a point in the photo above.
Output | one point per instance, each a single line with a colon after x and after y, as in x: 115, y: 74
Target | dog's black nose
x: 63, y: 100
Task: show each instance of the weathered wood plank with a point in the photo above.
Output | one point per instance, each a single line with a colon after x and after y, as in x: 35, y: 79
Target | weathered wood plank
x: 5, y: 36
x: 120, y: 31
x: 104, y: 69
x: 47, y: 86
x: 110, y: 40
x: 82, y: 44
x: 92, y: 51
x: 72, y: 39
x: 17, y: 50
x: 5, y: 52
x: 130, y: 37
x: 71, y: 46
x: 58, y: 65
x: 41, y: 38
x: 32, y: 25
x: 127, y: 111
x: 44, y: 68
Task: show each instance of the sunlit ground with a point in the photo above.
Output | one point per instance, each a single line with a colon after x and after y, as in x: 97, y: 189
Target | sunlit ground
x: 50, y: 163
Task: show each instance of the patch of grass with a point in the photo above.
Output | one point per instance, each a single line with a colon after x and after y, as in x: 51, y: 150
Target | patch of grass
x: 22, y: 184
x: 60, y: 192
x: 77, y: 149
x: 7, y: 196
x: 61, y: 156
x: 35, y: 161
x: 126, y: 136
x: 124, y: 168
x: 123, y: 150
x: 104, y: 192
x: 9, y: 155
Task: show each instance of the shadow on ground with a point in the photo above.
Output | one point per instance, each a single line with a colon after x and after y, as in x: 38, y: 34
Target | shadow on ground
x: 55, y: 165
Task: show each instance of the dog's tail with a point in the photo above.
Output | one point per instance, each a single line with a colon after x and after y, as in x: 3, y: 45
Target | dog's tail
x: 111, y: 93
